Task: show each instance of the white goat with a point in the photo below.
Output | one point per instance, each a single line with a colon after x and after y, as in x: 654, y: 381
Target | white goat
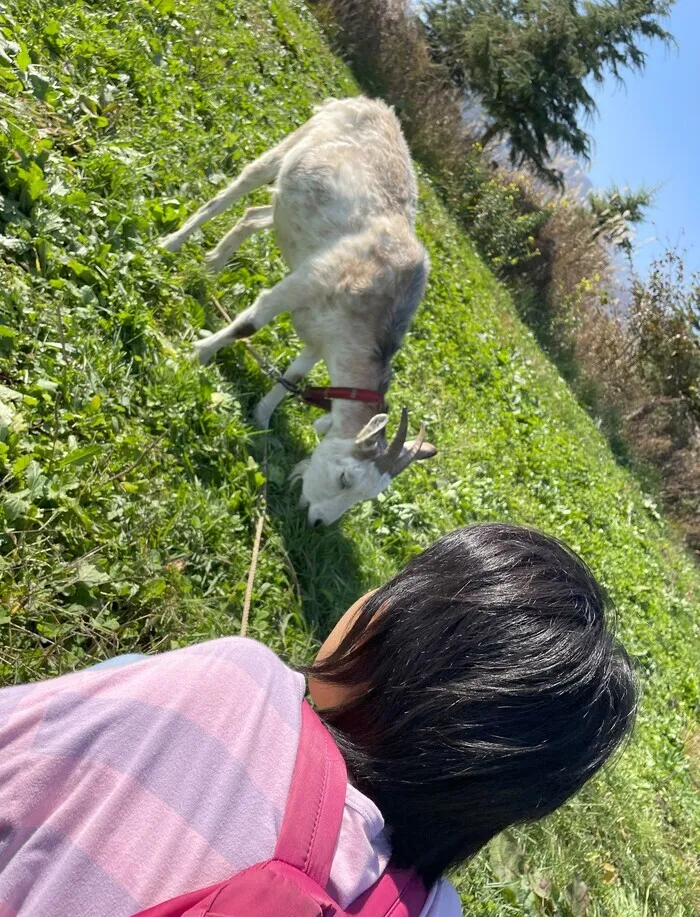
x: 343, y: 212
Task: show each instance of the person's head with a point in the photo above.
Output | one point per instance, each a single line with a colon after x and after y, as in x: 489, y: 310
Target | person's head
x: 480, y: 687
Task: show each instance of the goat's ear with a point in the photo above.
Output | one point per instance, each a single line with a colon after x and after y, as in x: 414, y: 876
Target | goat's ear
x: 297, y: 473
x: 370, y: 433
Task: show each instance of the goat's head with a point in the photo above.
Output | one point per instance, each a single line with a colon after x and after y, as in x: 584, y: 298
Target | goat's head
x: 342, y: 472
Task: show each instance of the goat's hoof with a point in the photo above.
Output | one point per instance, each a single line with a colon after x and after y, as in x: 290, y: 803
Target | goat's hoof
x: 261, y: 418
x: 170, y: 243
x: 213, y: 263
x: 201, y: 352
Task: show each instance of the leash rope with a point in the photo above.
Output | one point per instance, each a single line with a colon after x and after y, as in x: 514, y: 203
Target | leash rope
x: 245, y: 617
x: 263, y: 509
x: 256, y: 550
x: 270, y: 371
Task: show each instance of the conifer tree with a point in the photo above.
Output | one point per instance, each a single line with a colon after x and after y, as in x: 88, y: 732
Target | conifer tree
x: 530, y: 63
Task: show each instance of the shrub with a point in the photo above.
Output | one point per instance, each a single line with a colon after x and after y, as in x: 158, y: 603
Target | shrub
x: 665, y: 332
x: 501, y: 221
x: 663, y: 353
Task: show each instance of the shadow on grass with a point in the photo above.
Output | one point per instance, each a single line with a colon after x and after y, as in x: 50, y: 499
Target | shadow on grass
x: 326, y: 563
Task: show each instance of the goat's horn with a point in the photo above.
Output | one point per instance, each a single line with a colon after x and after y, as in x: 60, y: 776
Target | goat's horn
x: 410, y: 455
x: 386, y: 461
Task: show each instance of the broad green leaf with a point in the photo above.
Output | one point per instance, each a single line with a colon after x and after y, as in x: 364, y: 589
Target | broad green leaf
x: 81, y: 455
x: 15, y: 506
x: 21, y: 463
x: 23, y: 60
x: 94, y: 404
x: 89, y: 574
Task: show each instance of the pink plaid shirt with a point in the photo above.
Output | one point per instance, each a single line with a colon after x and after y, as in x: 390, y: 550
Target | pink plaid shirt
x: 123, y: 787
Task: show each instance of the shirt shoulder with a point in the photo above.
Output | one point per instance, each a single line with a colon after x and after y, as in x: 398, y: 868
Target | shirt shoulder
x: 443, y: 901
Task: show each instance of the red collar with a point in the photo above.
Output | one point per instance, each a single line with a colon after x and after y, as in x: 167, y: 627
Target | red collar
x: 323, y: 397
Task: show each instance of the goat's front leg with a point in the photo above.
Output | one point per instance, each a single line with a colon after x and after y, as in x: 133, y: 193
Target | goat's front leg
x: 299, y: 368
x: 284, y: 297
x: 323, y: 424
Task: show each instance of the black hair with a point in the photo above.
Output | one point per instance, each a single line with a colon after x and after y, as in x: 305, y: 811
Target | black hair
x: 487, y: 689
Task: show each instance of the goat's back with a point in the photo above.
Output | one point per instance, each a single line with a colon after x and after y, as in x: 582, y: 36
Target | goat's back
x: 350, y: 167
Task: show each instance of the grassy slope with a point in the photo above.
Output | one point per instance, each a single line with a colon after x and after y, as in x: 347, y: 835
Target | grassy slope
x: 130, y: 475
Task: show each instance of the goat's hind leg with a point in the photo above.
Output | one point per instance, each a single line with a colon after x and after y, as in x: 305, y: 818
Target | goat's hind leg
x: 254, y: 219
x: 263, y: 171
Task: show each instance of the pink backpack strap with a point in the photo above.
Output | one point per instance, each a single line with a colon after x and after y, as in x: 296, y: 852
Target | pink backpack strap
x: 314, y: 811
x: 312, y: 819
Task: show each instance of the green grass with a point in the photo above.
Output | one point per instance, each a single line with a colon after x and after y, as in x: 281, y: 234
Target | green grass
x: 131, y: 477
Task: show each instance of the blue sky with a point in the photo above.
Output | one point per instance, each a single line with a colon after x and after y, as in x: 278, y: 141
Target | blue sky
x: 648, y: 132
